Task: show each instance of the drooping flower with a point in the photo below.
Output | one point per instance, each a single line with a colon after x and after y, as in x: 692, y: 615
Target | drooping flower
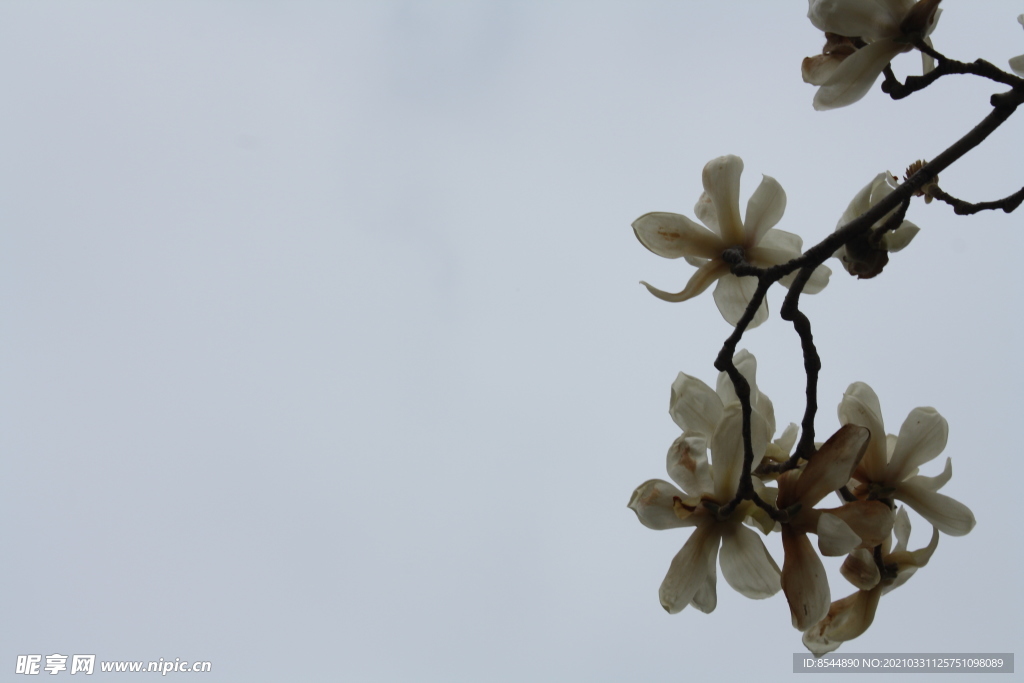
x: 862, y: 37
x: 1017, y: 63
x: 865, y: 257
x: 889, y: 467
x: 704, y: 488
x: 850, y: 617
x: 674, y: 236
x: 839, y: 531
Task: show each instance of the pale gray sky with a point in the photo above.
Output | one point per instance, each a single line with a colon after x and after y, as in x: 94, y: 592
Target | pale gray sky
x: 325, y: 357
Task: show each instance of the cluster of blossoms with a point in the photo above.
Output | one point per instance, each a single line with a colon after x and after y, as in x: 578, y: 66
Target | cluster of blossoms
x: 871, y: 469
x: 733, y: 477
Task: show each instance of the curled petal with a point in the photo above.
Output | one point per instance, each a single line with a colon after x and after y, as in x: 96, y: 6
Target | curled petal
x: 855, y: 76
x: 846, y: 619
x: 733, y: 295
x: 699, y: 281
x: 746, y: 564
x: 689, y: 569
x: 688, y: 465
x: 938, y: 481
x: 804, y: 581
x: 861, y: 570
x: 660, y: 505
x: 949, y: 516
x: 909, y: 562
x: 922, y: 437
x: 694, y: 406
x: 764, y: 210
x: 721, y: 178
x: 673, y: 236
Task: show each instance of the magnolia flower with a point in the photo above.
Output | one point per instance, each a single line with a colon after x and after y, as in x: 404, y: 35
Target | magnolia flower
x: 1017, y: 63
x: 673, y: 236
x: 839, y: 531
x: 746, y: 564
x: 863, y: 257
x: 851, y: 616
x: 882, y: 29
x: 889, y: 466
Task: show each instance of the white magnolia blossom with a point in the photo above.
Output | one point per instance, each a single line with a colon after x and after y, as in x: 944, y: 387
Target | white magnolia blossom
x: 866, y: 261
x: 674, y: 236
x: 850, y: 617
x: 703, y: 488
x: 1017, y: 63
x: 883, y: 28
x: 890, y: 464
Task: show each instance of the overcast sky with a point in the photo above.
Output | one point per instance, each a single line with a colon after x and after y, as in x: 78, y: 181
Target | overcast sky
x: 324, y: 355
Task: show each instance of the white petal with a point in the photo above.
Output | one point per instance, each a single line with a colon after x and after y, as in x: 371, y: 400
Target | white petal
x: 689, y: 569
x: 660, y: 505
x: 860, y: 407
x: 673, y: 236
x: 817, y: 282
x: 819, y: 68
x: 861, y: 201
x: 746, y: 564
x: 854, y: 77
x: 787, y: 439
x: 775, y: 247
x: 721, y: 178
x: 901, y: 529
x: 938, y: 481
x: 699, y: 281
x: 764, y: 209
x: 922, y: 437
x: 947, y: 515
x: 688, y: 465
x: 900, y: 237
x: 1017, y: 64
x: 804, y: 580
x: 835, y: 537
x: 733, y: 294
x: 747, y: 365
x: 869, y: 19
x: 727, y: 449
x: 706, y: 597
x: 704, y: 210
x: 694, y: 406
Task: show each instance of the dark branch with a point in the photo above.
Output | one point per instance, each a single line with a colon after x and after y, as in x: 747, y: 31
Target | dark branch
x: 962, y: 208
